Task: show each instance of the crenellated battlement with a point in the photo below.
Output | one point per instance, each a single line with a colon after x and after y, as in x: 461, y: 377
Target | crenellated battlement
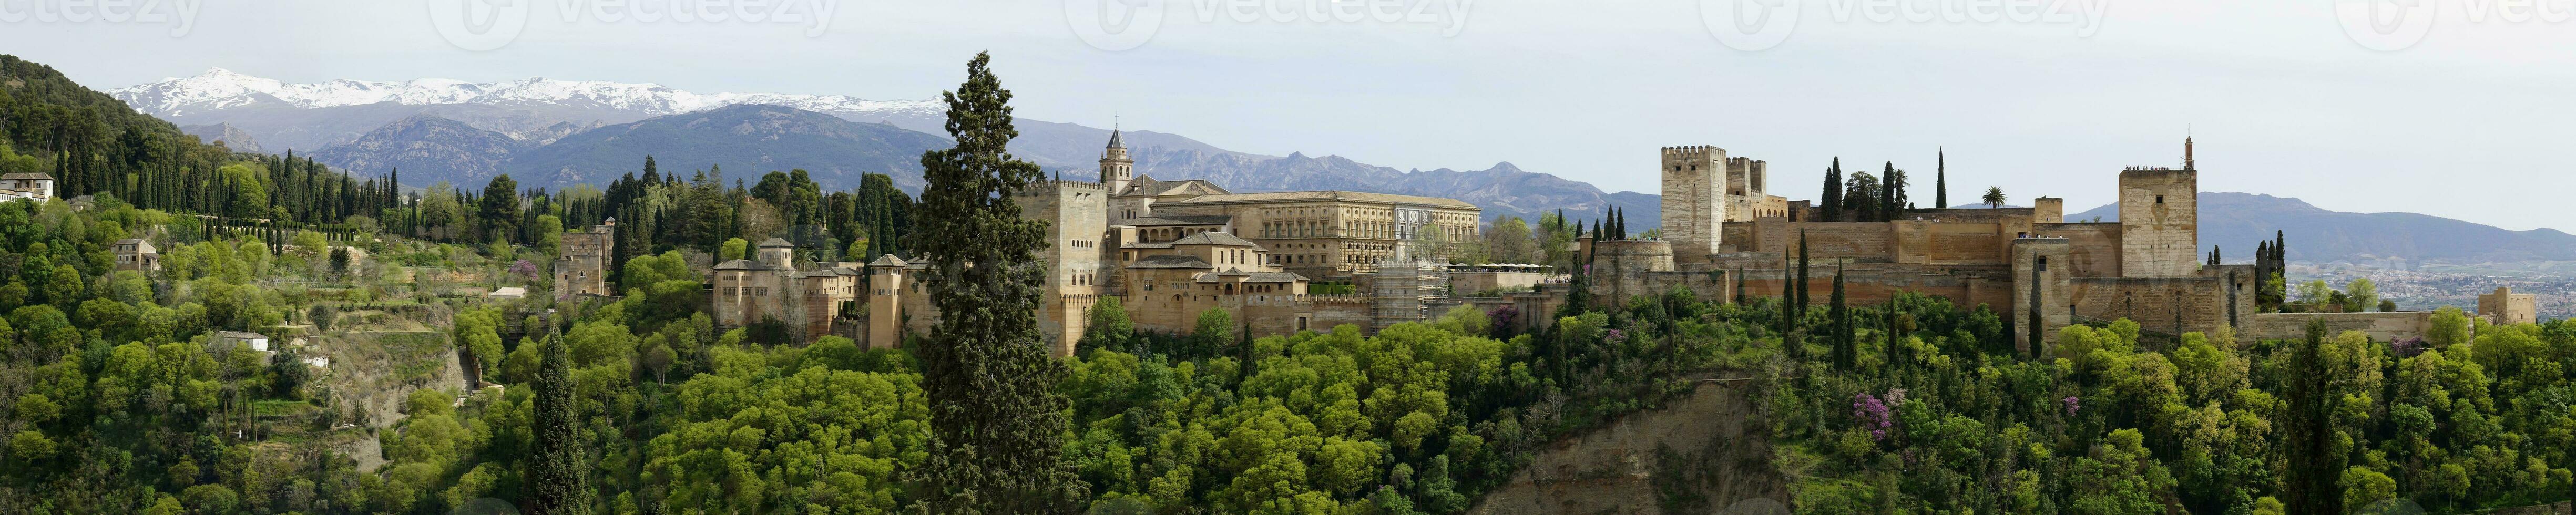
x: 1047, y: 186
x: 1693, y: 152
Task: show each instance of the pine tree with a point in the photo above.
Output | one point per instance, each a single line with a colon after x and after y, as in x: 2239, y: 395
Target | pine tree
x: 558, y: 472
x: 997, y: 420
x: 1941, y: 182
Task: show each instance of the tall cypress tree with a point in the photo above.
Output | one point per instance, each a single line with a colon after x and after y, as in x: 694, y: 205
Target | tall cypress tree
x: 1802, y: 272
x: 558, y: 472
x: 1891, y: 196
x: 1739, y: 286
x: 1941, y: 182
x: 1620, y: 219
x: 2317, y: 463
x: 997, y: 421
x: 1788, y: 317
x: 1840, y: 312
x: 1833, y: 197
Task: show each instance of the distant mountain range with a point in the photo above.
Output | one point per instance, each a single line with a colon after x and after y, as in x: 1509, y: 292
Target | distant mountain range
x: 2236, y: 221
x: 557, y: 133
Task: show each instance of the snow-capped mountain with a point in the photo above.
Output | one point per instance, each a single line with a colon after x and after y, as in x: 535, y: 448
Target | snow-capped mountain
x: 219, y: 89
x: 559, y: 132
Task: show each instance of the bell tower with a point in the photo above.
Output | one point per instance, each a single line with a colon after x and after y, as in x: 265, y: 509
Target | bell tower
x: 1116, y: 169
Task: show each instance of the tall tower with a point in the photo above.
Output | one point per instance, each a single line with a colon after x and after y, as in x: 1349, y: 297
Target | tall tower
x: 1116, y: 169
x: 1694, y: 199
x: 885, y: 302
x: 2160, y: 220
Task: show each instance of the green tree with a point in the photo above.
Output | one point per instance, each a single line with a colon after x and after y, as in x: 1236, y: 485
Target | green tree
x: 2310, y: 485
x: 1214, y: 327
x: 733, y: 249
x: 1109, y: 326
x: 558, y: 470
x: 997, y: 421
x: 550, y: 231
x: 1994, y: 197
x: 1508, y: 240
x: 499, y: 210
x: 2360, y: 295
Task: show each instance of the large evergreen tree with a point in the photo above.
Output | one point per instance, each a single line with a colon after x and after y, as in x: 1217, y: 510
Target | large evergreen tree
x: 2315, y: 465
x: 558, y: 474
x: 1801, y: 304
x: 1833, y: 196
x: 500, y: 209
x: 1840, y: 311
x: 1941, y: 181
x: 997, y: 420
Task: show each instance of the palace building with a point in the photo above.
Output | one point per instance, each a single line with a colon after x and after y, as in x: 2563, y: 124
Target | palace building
x: 1168, y: 250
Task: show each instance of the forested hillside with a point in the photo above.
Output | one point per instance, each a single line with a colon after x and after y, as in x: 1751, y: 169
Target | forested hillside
x: 93, y: 144
x: 120, y: 392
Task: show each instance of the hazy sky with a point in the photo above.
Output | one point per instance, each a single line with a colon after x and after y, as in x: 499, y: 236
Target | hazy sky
x: 2466, y: 112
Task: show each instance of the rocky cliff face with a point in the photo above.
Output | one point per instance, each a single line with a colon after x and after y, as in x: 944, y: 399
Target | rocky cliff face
x: 225, y: 133
x: 1705, y: 453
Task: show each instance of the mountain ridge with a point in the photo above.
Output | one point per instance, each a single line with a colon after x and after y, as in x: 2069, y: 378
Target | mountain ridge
x: 541, y: 113
x: 542, y: 131
x: 2236, y: 221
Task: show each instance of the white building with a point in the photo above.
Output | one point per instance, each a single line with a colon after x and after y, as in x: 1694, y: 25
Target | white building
x: 32, y: 186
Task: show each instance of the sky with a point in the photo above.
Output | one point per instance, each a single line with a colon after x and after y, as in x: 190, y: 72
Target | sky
x: 2455, y: 108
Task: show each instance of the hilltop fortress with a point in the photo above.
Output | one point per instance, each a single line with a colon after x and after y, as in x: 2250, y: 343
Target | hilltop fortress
x: 2027, y: 263
x: 1171, y: 250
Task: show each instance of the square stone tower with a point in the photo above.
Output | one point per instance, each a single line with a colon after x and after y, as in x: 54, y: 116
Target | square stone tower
x: 2159, y: 222
x: 1077, y: 213
x: 1694, y: 199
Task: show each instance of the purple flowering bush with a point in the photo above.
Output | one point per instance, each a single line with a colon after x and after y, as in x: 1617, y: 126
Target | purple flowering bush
x: 1868, y: 412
